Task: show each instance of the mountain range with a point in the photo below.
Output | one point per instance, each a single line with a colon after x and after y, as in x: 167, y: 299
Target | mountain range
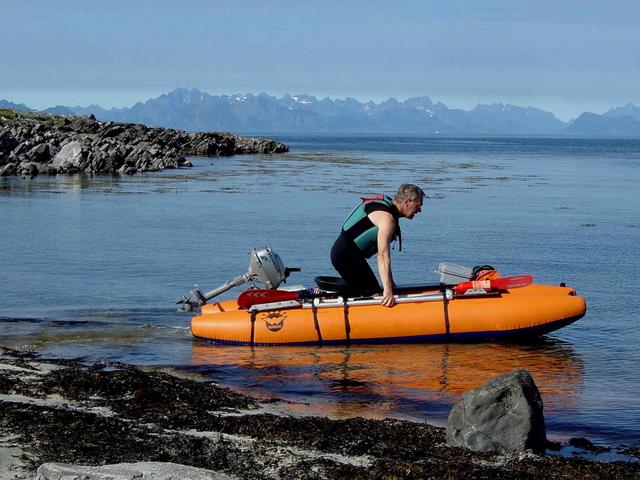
x: 195, y: 110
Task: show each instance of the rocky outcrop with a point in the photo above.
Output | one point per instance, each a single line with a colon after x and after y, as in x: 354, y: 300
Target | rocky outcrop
x: 32, y: 144
x: 502, y: 415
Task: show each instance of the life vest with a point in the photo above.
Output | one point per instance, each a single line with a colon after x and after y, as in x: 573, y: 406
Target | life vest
x: 361, y: 230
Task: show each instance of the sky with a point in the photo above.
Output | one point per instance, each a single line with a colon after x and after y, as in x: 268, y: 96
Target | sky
x: 563, y: 56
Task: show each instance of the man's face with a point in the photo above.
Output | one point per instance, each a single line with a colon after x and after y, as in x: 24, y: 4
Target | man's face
x: 412, y: 208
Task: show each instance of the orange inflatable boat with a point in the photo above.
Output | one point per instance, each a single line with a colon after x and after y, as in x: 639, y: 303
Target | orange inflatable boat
x: 466, y: 311
x: 422, y: 316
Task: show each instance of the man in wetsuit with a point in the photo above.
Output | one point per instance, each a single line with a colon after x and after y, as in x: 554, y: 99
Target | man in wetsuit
x: 369, y: 229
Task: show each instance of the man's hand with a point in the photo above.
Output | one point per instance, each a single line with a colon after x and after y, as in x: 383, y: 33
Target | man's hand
x: 388, y: 300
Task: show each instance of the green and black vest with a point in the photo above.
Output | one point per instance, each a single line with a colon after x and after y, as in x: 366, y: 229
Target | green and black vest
x: 362, y: 232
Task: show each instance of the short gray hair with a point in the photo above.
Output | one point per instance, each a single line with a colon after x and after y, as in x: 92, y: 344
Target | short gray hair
x: 409, y: 191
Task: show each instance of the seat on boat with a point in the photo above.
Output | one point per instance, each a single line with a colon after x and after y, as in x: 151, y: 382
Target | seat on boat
x: 339, y: 286
x: 331, y: 284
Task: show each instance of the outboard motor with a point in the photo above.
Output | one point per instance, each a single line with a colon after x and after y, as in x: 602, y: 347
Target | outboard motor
x: 265, y: 267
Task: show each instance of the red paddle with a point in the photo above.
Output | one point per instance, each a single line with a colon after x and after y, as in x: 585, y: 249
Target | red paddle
x: 496, y: 284
x: 256, y: 296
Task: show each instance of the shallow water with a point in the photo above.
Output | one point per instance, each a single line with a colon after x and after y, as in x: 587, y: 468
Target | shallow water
x: 92, y: 267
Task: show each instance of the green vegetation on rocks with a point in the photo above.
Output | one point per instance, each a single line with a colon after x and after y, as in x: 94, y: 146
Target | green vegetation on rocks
x: 7, y: 113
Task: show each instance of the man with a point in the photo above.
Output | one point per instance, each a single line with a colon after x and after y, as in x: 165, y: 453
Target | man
x: 371, y: 228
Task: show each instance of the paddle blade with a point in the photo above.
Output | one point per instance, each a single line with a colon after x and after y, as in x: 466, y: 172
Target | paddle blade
x: 504, y: 283
x: 516, y: 281
x: 257, y: 296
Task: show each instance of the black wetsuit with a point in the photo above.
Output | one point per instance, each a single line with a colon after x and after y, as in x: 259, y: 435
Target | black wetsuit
x: 357, y: 242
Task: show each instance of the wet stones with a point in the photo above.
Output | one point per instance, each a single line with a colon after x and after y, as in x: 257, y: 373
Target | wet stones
x: 32, y: 144
x: 127, y: 471
x: 503, y: 415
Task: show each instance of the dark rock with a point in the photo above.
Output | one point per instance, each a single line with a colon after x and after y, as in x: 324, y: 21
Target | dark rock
x: 8, y: 170
x: 259, y: 145
x: 7, y: 141
x: 128, y: 169
x: 586, y: 444
x: 503, y: 415
x: 21, y: 148
x: 28, y: 168
x: 41, y: 153
x: 554, y: 446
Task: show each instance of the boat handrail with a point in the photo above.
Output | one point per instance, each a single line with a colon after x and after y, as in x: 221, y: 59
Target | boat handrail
x: 376, y: 299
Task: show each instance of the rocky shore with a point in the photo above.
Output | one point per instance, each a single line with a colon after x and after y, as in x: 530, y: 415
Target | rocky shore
x: 36, y: 143
x: 71, y: 419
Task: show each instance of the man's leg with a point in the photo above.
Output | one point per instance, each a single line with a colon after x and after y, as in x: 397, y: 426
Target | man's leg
x: 354, y: 269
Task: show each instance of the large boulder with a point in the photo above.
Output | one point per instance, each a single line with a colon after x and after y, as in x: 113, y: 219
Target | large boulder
x: 71, y: 157
x: 41, y: 153
x: 503, y: 415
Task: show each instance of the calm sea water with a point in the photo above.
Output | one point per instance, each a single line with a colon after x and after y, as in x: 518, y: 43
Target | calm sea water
x: 92, y: 267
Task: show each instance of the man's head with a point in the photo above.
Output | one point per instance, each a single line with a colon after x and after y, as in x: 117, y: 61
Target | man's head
x: 408, y: 200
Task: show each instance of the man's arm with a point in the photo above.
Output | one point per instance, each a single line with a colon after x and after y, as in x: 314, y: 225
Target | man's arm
x: 386, y: 226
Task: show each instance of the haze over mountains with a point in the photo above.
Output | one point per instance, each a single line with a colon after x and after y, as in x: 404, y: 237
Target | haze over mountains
x: 194, y: 110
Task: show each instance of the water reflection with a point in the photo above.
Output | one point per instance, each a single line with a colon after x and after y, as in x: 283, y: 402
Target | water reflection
x: 391, y: 380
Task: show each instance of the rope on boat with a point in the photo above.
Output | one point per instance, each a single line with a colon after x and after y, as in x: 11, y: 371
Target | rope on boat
x: 347, y: 326
x: 316, y: 323
x: 445, y: 305
x: 253, y: 327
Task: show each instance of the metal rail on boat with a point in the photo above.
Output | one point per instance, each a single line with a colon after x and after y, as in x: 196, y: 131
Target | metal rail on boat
x: 339, y: 301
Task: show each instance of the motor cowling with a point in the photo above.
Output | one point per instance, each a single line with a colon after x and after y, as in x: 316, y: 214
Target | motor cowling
x: 266, y: 267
